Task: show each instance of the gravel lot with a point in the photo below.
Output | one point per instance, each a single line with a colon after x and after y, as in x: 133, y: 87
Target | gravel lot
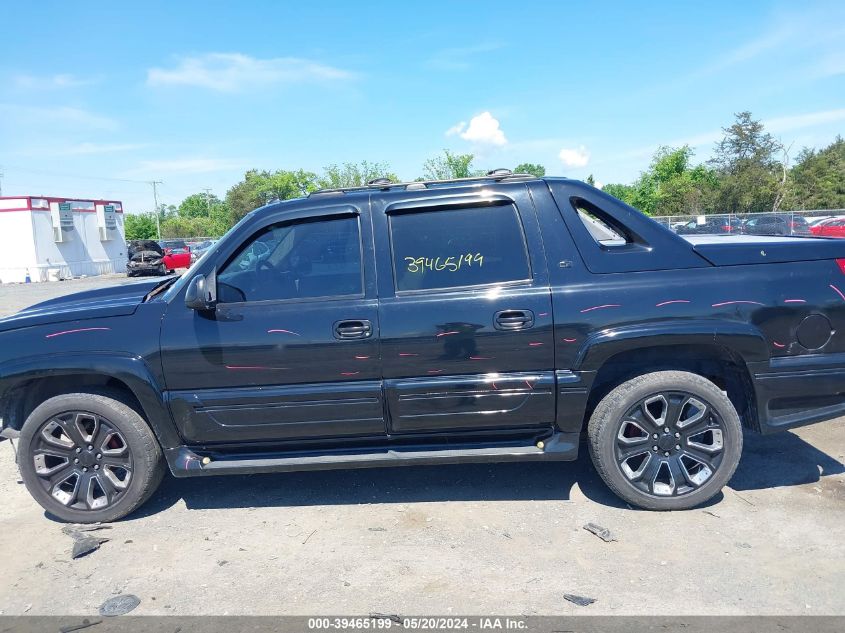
x: 471, y: 539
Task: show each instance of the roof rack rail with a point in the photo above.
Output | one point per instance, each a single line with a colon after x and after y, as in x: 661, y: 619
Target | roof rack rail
x: 384, y: 184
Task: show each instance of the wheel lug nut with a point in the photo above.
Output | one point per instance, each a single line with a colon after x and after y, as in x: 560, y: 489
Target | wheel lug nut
x: 96, y: 467
x: 677, y: 435
x: 78, y: 450
x: 666, y: 453
x: 90, y: 448
x: 654, y: 448
x: 75, y: 461
x: 677, y: 447
x: 666, y: 429
x: 84, y: 470
x: 654, y: 436
x: 99, y: 456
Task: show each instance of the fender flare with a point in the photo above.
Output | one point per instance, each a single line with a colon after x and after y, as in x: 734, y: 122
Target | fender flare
x: 131, y: 370
x: 742, y: 339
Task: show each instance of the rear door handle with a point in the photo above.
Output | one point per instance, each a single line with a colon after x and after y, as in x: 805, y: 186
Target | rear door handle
x: 513, y: 319
x: 353, y: 329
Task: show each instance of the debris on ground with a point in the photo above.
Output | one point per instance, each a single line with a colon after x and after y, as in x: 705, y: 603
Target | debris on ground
x: 712, y: 514
x: 73, y: 530
x: 581, y: 601
x: 602, y: 532
x: 119, y: 605
x: 309, y: 536
x: 77, y: 627
x: 386, y: 616
x: 743, y: 545
x: 85, y: 545
x: 377, y: 529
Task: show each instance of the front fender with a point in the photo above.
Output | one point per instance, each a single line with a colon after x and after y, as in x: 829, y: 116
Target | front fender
x: 128, y: 369
x: 743, y: 339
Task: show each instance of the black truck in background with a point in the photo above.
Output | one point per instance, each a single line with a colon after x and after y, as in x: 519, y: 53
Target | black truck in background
x: 485, y: 319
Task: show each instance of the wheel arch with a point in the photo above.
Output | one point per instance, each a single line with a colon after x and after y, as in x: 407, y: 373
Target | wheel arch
x: 29, y: 383
x: 716, y: 351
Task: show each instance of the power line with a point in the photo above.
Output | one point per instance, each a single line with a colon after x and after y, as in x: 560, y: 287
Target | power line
x: 155, y: 198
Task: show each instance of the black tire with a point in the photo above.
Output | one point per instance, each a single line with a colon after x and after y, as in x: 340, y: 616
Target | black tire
x: 622, y: 440
x: 162, y: 270
x: 115, y: 428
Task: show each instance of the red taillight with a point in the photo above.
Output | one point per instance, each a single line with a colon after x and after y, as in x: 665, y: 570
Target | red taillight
x: 841, y: 263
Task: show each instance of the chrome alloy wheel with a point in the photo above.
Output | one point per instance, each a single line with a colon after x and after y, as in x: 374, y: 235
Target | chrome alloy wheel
x: 82, y: 460
x: 670, y: 443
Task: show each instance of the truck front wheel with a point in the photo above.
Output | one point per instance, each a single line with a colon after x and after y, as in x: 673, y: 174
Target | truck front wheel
x: 668, y: 440
x: 88, y: 457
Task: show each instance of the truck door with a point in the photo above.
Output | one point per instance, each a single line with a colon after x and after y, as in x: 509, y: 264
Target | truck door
x: 464, y: 310
x: 291, y: 350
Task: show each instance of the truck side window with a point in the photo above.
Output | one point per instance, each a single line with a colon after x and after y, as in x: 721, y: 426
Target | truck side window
x: 599, y: 228
x: 458, y: 247
x: 300, y: 260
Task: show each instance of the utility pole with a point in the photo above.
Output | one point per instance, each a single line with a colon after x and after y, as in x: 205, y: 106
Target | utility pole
x: 1, y: 180
x: 155, y: 198
x: 207, y: 199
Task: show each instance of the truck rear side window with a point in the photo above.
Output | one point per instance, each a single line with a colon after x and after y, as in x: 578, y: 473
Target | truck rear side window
x: 598, y: 224
x: 458, y: 247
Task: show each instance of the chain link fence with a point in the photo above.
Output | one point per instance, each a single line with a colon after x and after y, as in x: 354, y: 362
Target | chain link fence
x: 737, y: 221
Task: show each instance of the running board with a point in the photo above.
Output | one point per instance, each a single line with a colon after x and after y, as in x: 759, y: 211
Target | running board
x: 185, y: 462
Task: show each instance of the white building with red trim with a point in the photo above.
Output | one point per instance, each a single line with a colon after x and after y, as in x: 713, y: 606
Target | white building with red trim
x: 47, y: 238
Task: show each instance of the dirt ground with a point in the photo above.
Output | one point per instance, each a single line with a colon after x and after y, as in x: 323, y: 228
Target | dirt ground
x: 464, y: 539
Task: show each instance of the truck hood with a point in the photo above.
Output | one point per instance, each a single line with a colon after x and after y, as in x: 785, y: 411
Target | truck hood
x: 113, y: 301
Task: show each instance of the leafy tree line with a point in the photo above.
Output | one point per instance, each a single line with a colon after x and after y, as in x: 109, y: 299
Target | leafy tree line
x: 750, y: 172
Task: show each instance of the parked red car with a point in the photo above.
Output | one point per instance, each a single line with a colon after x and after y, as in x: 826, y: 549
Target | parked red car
x: 834, y: 227
x: 177, y: 254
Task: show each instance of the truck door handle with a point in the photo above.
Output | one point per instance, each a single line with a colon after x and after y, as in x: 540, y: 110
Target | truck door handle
x: 352, y: 329
x: 513, y: 319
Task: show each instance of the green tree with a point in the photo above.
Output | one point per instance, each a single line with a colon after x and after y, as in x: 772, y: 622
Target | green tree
x: 140, y: 226
x: 261, y: 187
x: 591, y: 181
x: 354, y: 174
x: 746, y: 160
x: 534, y: 169
x: 448, y: 166
x: 818, y: 178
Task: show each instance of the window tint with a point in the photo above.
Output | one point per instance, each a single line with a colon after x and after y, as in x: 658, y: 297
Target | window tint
x: 461, y: 247
x: 302, y: 260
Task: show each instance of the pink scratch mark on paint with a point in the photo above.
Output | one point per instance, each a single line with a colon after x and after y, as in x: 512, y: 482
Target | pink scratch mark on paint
x: 361, y: 357
x: 82, y: 329
x: 480, y: 358
x: 279, y: 331
x: 778, y: 345
x: 569, y: 340
x: 446, y: 334
x: 727, y: 303
x: 493, y: 384
x: 254, y: 368
x: 542, y: 314
x: 349, y: 373
x: 407, y: 354
x: 666, y: 303
x: 838, y: 291
x: 794, y: 301
x: 530, y: 386
x: 435, y: 371
x: 534, y: 344
x: 601, y: 307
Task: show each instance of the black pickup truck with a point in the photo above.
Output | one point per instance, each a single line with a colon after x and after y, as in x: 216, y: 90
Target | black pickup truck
x: 486, y: 319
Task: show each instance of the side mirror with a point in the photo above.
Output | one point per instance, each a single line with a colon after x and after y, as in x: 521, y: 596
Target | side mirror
x: 202, y: 292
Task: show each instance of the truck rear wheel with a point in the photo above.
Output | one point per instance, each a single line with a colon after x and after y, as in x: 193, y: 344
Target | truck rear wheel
x: 89, y: 457
x: 668, y: 440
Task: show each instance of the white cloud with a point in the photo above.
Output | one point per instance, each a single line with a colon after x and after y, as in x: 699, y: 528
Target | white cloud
x: 97, y: 148
x: 456, y: 129
x: 483, y: 128
x: 575, y: 157
x: 61, y: 115
x: 232, y: 72
x: 799, y: 121
x: 62, y: 80
x: 197, y: 165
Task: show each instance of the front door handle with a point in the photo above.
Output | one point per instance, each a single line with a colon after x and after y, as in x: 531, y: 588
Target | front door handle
x: 353, y: 329
x: 513, y: 319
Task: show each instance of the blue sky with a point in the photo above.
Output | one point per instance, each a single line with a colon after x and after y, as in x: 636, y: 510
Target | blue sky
x: 99, y: 97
